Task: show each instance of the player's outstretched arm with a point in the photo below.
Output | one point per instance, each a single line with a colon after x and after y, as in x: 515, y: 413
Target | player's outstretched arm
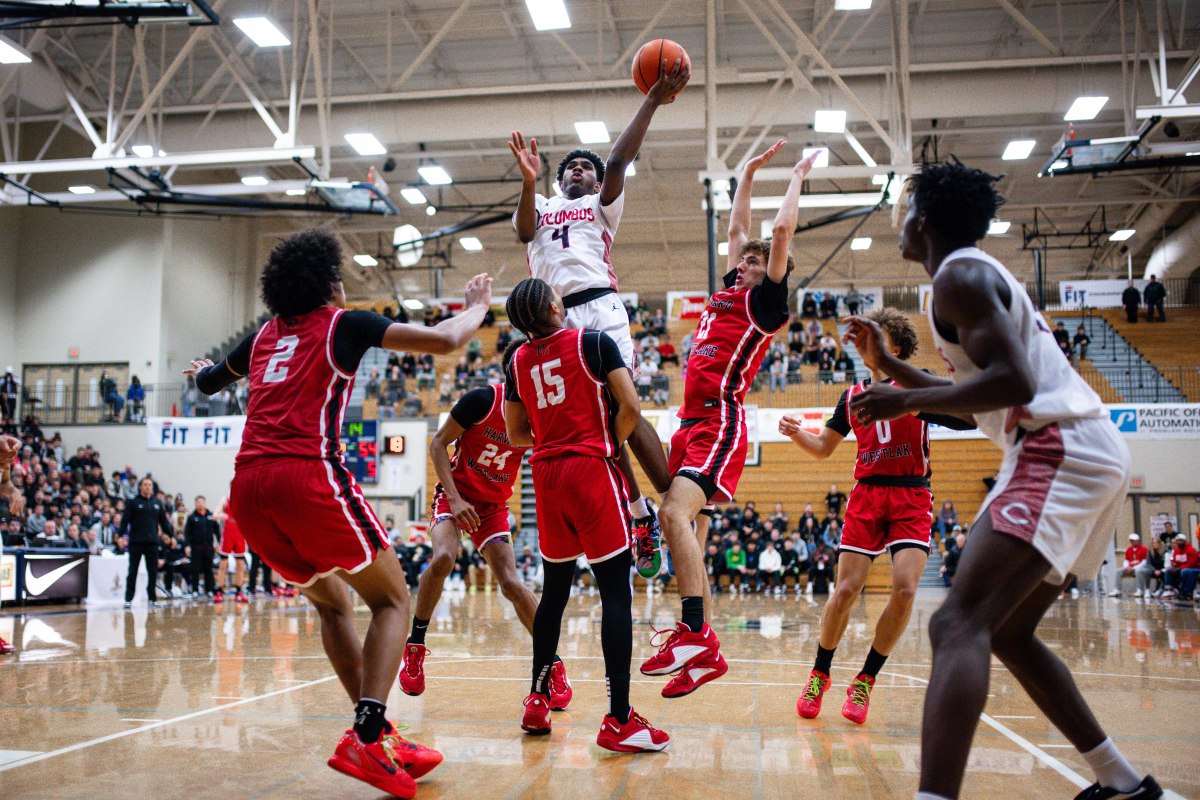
x: 784, y: 227
x: 819, y: 445
x: 739, y: 215
x: 212, y: 378
x: 671, y: 80
x: 530, y: 164
x: 448, y: 335
x: 969, y: 298
x: 439, y: 453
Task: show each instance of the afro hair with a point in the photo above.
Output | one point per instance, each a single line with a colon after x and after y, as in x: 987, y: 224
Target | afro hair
x: 958, y: 202
x: 582, y: 152
x: 302, y: 273
x: 899, y: 329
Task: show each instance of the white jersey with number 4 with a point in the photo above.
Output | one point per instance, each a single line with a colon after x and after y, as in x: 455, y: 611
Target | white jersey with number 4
x: 1060, y: 393
x: 570, y: 249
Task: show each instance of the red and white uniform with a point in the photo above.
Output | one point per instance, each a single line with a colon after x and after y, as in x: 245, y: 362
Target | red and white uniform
x: 233, y: 543
x: 890, y: 507
x: 727, y: 350
x: 485, y: 469
x: 572, y: 251
x: 297, y: 504
x: 1066, y: 469
x: 582, y: 501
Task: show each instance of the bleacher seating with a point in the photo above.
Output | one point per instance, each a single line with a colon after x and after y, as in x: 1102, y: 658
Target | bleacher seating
x: 1167, y: 345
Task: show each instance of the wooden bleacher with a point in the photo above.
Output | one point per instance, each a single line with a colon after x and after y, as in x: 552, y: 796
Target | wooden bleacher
x: 1172, y: 343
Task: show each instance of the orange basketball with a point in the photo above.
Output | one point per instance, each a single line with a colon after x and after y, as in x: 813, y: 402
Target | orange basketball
x: 648, y: 61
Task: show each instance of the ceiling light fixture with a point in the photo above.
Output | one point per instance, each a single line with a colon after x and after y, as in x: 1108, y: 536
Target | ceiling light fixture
x: 414, y: 195
x: 1018, y: 149
x: 851, y: 5
x: 1122, y: 235
x: 1084, y: 108
x: 548, y: 15
x: 434, y: 175
x: 296, y: 192
x: 262, y: 31
x: 860, y: 243
x: 829, y: 120
x: 998, y: 227
x: 592, y: 132
x: 13, y: 53
x: 365, y: 144
x: 83, y: 189
x: 470, y: 244
x: 630, y: 170
x: 364, y: 260
x: 255, y: 180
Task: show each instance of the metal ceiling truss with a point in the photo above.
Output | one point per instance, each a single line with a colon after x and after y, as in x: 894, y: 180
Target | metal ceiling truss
x: 17, y: 15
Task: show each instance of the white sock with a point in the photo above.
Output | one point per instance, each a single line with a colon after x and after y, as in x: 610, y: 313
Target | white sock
x: 930, y: 796
x: 639, y: 509
x: 1111, y: 768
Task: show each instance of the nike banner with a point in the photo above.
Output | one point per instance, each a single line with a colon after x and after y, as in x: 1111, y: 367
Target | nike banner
x: 54, y: 577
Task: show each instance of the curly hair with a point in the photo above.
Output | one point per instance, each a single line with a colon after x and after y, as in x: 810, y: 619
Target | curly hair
x: 959, y: 202
x: 528, y: 307
x: 899, y: 329
x: 301, y: 273
x: 582, y: 152
x: 763, y: 248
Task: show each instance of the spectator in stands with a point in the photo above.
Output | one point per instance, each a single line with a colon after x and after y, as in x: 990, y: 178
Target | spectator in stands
x: 1168, y: 533
x: 667, y: 352
x: 374, y: 387
x: 135, y: 398
x: 825, y: 367
x: 35, y: 523
x: 1154, y: 294
x: 735, y: 565
x: 796, y: 342
x: 657, y: 326
x: 113, y: 402
x: 853, y: 299
x: 10, y: 389
x: 526, y: 565
x: 474, y: 350
x: 832, y: 534
x: 829, y: 305
x: 947, y: 519
x: 1131, y: 298
x: 834, y: 500
x: 1151, y: 569
x: 1181, y: 559
x: 1063, y: 339
x: 843, y: 368
x: 828, y: 346
x: 820, y: 569
x: 789, y: 564
x: 770, y: 568
x: 1081, y: 342
x: 751, y: 579
x: 778, y: 521
x: 951, y: 558
x: 503, y: 339
x: 74, y: 539
x: 1135, y: 555
x: 808, y: 306
x: 104, y: 529
x: 50, y: 533
x: 777, y: 375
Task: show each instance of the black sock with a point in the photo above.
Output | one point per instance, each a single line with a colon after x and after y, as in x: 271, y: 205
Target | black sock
x: 418, y: 631
x: 541, y: 680
x: 693, y: 613
x: 824, y: 660
x: 875, y: 661
x: 618, y: 697
x: 368, y: 719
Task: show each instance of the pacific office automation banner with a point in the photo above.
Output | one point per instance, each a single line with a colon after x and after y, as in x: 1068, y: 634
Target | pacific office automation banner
x: 1094, y: 294
x: 686, y: 305
x: 194, y: 433
x: 1157, y: 420
x: 872, y: 297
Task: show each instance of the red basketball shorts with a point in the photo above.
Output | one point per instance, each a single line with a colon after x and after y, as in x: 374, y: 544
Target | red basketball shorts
x: 582, y: 508
x: 712, y: 452
x: 493, y: 519
x: 233, y: 543
x: 890, y: 518
x: 306, y: 518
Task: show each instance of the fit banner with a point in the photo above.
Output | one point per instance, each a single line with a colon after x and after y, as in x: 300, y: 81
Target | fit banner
x: 194, y: 433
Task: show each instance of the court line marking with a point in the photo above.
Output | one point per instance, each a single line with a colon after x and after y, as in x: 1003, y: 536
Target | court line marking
x: 159, y: 724
x: 1011, y: 716
x: 137, y: 719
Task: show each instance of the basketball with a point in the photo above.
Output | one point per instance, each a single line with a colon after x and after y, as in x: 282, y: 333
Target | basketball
x: 649, y: 58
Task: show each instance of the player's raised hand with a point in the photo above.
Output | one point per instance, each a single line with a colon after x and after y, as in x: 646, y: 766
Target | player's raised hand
x: 479, y: 290
x: 671, y: 80
x: 867, y: 337
x: 880, y: 401
x: 527, y: 158
x: 765, y: 156
x: 805, y: 165
x: 789, y: 426
x: 197, y: 366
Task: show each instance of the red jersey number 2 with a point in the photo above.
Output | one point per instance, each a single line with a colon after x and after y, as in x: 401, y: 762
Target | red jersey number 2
x: 276, y: 370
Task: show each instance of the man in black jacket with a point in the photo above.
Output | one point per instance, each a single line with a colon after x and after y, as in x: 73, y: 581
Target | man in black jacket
x: 199, y: 532
x: 145, y: 515
x: 1154, y: 295
x: 1131, y: 298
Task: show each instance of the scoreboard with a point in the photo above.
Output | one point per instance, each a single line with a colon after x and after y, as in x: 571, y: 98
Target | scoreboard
x: 360, y: 449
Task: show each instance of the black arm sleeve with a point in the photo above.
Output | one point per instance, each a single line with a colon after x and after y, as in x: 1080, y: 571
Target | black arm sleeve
x: 840, y: 422
x: 769, y: 303
x: 211, y: 380
x: 601, y: 353
x: 473, y: 407
x: 947, y: 421
x: 510, y: 382
x: 355, y: 334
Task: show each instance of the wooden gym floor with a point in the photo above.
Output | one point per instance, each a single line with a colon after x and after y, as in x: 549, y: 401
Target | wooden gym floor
x: 238, y: 702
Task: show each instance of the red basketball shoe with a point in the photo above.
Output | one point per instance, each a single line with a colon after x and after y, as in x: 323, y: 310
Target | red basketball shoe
x: 858, y: 699
x: 635, y: 736
x: 412, y: 671
x: 560, y: 688
x: 695, y: 675
x: 5, y: 648
x: 218, y: 597
x: 536, y: 719
x: 809, y: 704
x: 240, y: 597
x: 376, y: 764
x: 417, y: 759
x: 681, y: 648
